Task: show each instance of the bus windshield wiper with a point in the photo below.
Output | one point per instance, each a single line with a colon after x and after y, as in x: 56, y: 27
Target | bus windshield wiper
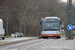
x: 46, y: 29
x: 54, y: 29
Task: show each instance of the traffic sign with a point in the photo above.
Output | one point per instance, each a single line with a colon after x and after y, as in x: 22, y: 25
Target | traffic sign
x: 69, y: 27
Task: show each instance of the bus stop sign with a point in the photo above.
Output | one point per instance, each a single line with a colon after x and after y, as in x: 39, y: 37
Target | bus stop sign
x: 69, y: 27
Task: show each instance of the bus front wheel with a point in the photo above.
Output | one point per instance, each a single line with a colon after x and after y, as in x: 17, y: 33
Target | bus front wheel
x: 58, y: 37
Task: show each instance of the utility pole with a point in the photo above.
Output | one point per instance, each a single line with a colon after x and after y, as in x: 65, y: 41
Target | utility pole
x: 70, y: 16
x: 10, y: 17
x: 40, y: 23
x: 29, y: 21
x: 69, y: 19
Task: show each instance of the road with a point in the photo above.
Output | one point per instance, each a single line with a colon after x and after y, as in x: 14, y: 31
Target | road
x: 42, y: 44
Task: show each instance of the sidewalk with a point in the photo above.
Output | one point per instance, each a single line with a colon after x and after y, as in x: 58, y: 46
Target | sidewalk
x: 9, y: 41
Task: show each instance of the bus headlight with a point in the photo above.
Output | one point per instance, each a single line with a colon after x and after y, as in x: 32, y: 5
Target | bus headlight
x: 43, y: 32
x: 58, y: 32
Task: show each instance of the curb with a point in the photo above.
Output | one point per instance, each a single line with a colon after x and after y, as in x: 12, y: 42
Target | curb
x: 14, y: 42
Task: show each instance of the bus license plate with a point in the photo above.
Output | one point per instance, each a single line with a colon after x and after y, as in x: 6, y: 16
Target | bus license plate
x: 50, y: 35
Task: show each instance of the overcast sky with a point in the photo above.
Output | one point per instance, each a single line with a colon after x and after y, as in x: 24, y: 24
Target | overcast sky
x: 73, y: 1
x: 66, y: 1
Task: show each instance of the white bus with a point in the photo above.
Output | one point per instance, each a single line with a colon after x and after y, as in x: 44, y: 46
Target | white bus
x: 51, y: 27
x: 2, y: 30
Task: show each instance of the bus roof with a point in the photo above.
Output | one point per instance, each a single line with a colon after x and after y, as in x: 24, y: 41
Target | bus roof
x: 51, y: 18
x: 1, y: 20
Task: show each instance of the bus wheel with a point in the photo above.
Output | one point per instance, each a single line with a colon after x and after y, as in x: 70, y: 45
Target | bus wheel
x: 45, y: 37
x: 3, y: 38
x: 58, y: 37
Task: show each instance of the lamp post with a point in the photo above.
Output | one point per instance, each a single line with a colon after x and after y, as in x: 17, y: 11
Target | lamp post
x: 67, y: 35
x: 29, y: 20
x: 10, y: 17
x: 69, y: 17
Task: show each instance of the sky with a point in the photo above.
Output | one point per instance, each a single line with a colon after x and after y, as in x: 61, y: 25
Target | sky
x: 64, y: 0
x: 73, y: 2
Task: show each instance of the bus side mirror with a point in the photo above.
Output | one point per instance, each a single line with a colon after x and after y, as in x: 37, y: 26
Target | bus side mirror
x: 60, y: 23
x: 40, y: 23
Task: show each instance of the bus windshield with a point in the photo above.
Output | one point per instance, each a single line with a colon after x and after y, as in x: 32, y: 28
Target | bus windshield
x: 48, y: 25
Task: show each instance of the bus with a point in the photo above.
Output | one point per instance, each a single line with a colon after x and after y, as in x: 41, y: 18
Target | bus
x: 51, y: 27
x: 2, y: 30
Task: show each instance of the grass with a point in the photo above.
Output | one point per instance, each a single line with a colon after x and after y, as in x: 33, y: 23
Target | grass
x: 29, y: 36
x: 3, y: 42
x: 7, y: 36
x: 73, y: 32
x: 63, y: 33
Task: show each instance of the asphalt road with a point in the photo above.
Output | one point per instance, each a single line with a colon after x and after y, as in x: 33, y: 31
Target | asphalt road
x: 43, y: 44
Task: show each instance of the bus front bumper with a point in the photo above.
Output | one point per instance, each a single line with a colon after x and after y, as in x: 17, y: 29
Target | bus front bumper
x: 1, y: 35
x: 48, y: 35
